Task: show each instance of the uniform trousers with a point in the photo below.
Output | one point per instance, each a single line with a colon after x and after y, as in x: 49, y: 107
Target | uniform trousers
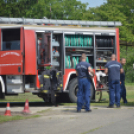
x: 123, y: 92
x: 83, y: 94
x: 114, y: 92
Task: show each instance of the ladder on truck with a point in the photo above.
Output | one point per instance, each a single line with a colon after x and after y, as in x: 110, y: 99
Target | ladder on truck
x: 28, y: 21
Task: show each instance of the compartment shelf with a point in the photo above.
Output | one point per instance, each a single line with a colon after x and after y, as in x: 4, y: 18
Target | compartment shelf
x: 99, y: 69
x: 54, y: 63
x: 89, y: 47
x: 105, y: 48
x: 80, y: 54
x: 55, y: 44
x: 56, y: 55
x: 101, y: 61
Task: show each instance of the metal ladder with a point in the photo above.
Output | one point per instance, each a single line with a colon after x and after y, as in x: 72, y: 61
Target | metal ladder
x: 58, y: 22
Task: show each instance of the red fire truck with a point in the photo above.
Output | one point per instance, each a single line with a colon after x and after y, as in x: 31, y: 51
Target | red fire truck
x: 26, y: 49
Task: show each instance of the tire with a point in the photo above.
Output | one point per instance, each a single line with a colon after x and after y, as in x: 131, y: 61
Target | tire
x: 98, y: 96
x: 47, y: 100
x: 73, y: 88
x: 62, y: 98
x: 101, y: 42
x: 2, y: 95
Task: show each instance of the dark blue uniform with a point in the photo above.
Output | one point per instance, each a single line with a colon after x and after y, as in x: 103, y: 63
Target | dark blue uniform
x: 114, y: 81
x: 123, y: 88
x: 83, y: 86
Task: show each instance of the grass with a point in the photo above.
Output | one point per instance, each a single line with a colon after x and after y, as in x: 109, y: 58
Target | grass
x: 16, y: 117
x: 104, y: 102
x: 129, y: 84
x: 92, y: 130
x: 130, y: 97
x: 22, y: 98
x: 105, y: 97
x: 43, y: 111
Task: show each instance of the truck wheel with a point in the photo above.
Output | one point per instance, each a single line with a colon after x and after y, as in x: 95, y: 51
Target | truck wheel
x: 98, y: 96
x: 73, y: 88
x: 62, y: 98
x: 2, y: 95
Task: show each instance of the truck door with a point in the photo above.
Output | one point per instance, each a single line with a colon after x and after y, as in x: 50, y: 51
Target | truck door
x: 43, y: 48
x: 12, y: 51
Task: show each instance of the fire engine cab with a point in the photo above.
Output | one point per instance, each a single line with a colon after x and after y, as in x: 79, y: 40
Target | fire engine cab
x: 27, y: 49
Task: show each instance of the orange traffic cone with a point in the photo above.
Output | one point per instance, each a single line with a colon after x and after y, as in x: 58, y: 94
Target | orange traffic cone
x: 26, y: 108
x: 8, y: 112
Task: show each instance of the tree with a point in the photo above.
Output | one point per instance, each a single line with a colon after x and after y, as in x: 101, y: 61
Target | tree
x: 52, y: 9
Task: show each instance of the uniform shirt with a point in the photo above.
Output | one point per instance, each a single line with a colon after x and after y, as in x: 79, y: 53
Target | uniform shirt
x: 82, y: 69
x: 113, y: 70
x: 122, y: 76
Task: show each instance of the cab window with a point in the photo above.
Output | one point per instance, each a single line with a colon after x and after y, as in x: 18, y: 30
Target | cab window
x: 10, y: 39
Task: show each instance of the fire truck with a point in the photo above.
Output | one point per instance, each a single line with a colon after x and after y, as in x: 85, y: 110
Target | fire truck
x: 29, y: 46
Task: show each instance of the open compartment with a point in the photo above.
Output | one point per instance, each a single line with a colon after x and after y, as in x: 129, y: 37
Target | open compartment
x: 105, y: 41
x: 102, y: 80
x: 75, y: 45
x: 104, y: 48
x: 103, y: 56
x: 72, y: 61
x: 50, y: 49
x: 78, y: 40
x: 43, y: 48
x: 57, y: 51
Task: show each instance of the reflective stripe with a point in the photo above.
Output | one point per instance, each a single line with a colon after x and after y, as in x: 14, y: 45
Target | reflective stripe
x: 58, y: 88
x: 8, y: 108
x: 45, y: 91
x: 61, y: 85
x: 46, y: 76
x: 2, y: 84
x: 114, y: 65
x: 57, y: 73
x: 41, y: 85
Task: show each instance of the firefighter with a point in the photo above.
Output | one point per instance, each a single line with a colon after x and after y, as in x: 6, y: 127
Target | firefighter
x: 49, y: 83
x: 122, y: 83
x: 45, y: 81
x: 114, y: 68
x: 82, y: 69
x: 54, y: 83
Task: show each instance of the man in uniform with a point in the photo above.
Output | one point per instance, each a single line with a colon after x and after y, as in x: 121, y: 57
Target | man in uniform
x: 114, y: 68
x: 122, y: 83
x: 82, y: 69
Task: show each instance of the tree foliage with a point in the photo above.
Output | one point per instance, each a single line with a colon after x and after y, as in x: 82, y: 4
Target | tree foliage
x: 117, y: 10
x: 52, y: 9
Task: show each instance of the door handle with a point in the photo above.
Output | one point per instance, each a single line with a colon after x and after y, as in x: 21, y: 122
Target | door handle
x: 19, y: 69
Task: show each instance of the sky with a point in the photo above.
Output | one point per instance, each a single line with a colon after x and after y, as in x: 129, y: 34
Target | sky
x: 93, y: 3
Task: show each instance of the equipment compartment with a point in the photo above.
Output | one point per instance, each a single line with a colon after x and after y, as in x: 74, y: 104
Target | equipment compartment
x: 57, y: 51
x: 78, y: 40
x: 105, y: 41
x: 75, y: 45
